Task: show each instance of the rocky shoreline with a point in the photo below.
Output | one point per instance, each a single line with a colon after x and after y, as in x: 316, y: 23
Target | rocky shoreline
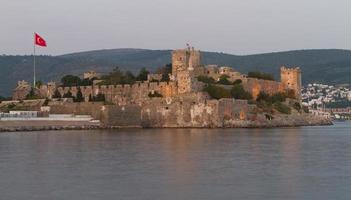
x: 281, y: 121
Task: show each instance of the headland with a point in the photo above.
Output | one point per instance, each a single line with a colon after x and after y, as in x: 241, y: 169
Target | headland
x: 184, y: 94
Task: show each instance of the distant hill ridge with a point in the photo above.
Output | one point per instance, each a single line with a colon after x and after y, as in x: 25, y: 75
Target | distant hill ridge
x: 331, y: 66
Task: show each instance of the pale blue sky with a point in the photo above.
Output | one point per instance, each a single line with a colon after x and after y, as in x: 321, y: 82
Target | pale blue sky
x: 232, y: 26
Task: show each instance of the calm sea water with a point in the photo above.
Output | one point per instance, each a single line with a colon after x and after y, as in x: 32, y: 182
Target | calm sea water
x: 285, y: 163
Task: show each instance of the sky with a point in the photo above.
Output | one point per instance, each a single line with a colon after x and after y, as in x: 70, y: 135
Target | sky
x: 232, y: 26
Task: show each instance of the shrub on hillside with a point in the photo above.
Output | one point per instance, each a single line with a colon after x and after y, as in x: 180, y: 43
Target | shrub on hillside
x: 297, y: 106
x: 263, y: 97
x: 68, y: 95
x: 238, y: 92
x: 260, y: 75
x: 238, y: 81
x: 224, y: 80
x: 271, y: 99
x: 206, y: 79
x: 282, y: 108
x: 217, y: 92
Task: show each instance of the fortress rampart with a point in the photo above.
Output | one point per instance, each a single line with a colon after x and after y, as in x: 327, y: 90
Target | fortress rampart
x: 119, y: 94
x: 255, y: 86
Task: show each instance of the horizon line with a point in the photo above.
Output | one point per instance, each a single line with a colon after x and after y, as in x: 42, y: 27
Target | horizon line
x: 205, y: 51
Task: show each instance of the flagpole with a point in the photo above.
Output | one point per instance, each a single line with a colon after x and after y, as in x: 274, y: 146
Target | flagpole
x: 34, y: 63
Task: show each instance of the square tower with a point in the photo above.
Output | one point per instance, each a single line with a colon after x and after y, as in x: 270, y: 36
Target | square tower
x: 187, y: 59
x: 186, y: 66
x: 291, y: 80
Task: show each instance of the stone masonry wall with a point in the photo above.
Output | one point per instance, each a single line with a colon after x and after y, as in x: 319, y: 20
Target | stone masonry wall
x: 84, y: 108
x: 255, y: 86
x: 193, y: 112
x: 121, y: 116
x: 124, y: 94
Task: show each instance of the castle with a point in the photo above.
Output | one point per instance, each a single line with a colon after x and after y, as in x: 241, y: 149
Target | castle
x: 183, y: 102
x: 186, y: 67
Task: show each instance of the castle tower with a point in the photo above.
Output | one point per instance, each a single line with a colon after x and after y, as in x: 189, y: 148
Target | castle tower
x: 291, y: 80
x: 185, y: 59
x: 185, y: 68
x: 180, y: 61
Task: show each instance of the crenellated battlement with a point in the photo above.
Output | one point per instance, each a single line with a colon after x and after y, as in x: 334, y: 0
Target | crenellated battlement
x: 290, y: 69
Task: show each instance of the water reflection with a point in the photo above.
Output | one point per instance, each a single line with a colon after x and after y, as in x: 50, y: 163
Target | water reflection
x: 287, y: 163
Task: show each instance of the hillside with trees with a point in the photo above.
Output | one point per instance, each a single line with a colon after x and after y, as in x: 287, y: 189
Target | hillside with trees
x: 324, y: 66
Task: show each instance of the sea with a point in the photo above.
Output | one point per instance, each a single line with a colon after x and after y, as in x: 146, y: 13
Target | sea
x: 178, y: 164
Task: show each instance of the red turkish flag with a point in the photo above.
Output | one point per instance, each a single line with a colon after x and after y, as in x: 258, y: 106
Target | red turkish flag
x: 39, y: 40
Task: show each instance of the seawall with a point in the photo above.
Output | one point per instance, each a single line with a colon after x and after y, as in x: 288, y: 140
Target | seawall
x: 188, y: 111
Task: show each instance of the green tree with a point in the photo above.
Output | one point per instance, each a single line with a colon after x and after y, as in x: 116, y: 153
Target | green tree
x: 38, y: 84
x: 297, y: 106
x: 4, y: 98
x: 282, y: 108
x: 142, y: 76
x: 113, y: 78
x: 238, y: 92
x: 206, y: 79
x: 223, y: 79
x: 165, y: 71
x: 278, y: 97
x: 262, y: 96
x: 99, y: 97
x: 86, y: 82
x: 165, y: 78
x: 128, y: 78
x: 90, y: 98
x: 79, y: 97
x: 56, y: 94
x: 46, y: 102
x: 237, y: 82
x: 32, y: 95
x: 260, y: 75
x: 68, y: 95
x: 70, y: 80
x: 217, y: 92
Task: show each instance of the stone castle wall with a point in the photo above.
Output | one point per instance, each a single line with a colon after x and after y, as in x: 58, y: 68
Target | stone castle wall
x: 83, y: 108
x: 194, y: 111
x: 121, y: 116
x: 255, y: 86
x: 119, y: 94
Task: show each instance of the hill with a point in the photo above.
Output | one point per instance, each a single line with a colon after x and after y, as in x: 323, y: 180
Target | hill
x: 324, y: 66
